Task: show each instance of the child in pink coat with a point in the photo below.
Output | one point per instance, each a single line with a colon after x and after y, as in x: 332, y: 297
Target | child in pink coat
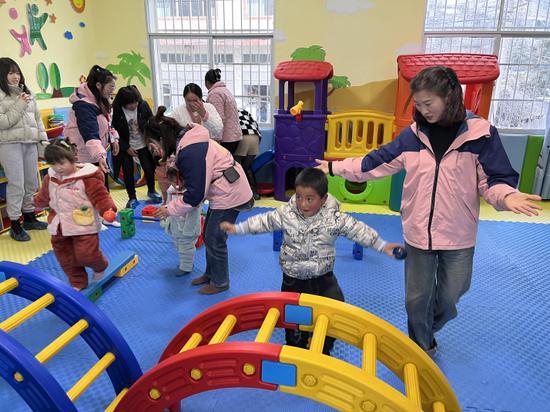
x: 77, y: 196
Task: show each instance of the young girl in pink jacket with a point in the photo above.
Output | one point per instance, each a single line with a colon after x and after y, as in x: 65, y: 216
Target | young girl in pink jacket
x: 77, y: 196
x: 209, y: 172
x: 451, y: 158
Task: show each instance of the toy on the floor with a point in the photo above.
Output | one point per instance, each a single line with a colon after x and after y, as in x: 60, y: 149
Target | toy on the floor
x: 128, y: 225
x: 200, y: 359
x: 119, y: 265
x: 26, y: 372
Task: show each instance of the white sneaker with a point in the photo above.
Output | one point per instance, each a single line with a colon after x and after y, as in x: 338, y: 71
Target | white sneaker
x: 103, y: 227
x: 114, y: 223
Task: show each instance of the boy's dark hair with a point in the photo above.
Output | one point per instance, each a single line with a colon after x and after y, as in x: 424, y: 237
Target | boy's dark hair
x: 313, y: 178
x: 213, y: 76
x: 192, y: 88
x: 127, y: 95
x: 443, y: 82
x: 60, y: 150
x: 102, y: 76
x: 8, y: 65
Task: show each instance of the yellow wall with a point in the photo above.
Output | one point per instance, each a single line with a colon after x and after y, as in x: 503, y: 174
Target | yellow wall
x: 112, y: 27
x: 362, y: 39
x: 361, y: 43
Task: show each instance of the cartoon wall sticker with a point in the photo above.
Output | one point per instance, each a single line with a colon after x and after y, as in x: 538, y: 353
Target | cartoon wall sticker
x: 54, y: 78
x: 13, y: 13
x: 130, y: 66
x: 23, y: 40
x: 48, y: 2
x: 53, y: 18
x: 317, y: 53
x: 68, y: 35
x: 78, y: 5
x: 35, y: 25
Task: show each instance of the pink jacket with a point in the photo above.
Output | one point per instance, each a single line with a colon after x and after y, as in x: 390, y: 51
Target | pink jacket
x: 440, y: 203
x: 225, y: 104
x: 87, y: 127
x: 201, y: 162
x: 64, y: 195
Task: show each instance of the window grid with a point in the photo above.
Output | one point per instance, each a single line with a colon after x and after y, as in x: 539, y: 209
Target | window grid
x: 188, y: 37
x: 518, y: 31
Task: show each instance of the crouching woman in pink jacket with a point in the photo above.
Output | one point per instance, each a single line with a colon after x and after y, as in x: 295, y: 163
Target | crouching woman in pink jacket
x: 208, y: 172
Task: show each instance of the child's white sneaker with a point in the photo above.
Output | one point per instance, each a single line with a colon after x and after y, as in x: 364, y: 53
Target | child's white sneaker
x: 114, y: 223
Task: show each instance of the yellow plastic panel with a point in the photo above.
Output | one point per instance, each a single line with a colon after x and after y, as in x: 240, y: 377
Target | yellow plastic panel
x: 340, y: 385
x: 353, y: 134
x: 394, y: 349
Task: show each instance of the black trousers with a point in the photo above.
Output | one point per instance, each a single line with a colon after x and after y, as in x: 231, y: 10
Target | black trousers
x: 147, y: 164
x: 326, y: 286
x: 231, y: 146
x: 246, y: 163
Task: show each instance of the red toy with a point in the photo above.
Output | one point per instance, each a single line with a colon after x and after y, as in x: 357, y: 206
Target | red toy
x: 109, y: 216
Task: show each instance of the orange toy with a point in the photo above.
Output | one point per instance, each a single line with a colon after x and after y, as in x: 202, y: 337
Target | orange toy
x: 109, y: 216
x: 148, y: 211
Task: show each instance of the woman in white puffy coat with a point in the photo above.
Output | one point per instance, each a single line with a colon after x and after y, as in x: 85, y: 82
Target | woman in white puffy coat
x: 21, y: 131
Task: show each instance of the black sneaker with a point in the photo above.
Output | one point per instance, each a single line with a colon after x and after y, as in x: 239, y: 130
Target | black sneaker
x: 30, y: 222
x: 18, y: 233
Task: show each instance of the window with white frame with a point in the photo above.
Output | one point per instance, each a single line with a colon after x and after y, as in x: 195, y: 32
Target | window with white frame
x: 518, y: 31
x: 189, y: 37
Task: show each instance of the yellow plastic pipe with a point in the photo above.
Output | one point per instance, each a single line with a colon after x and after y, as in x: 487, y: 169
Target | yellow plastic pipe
x: 438, y: 406
x: 319, y: 334
x: 8, y: 285
x: 62, y: 340
x: 27, y: 312
x: 224, y: 330
x: 90, y: 376
x: 266, y: 330
x: 412, y: 386
x: 369, y: 353
x: 192, y: 342
x: 116, y: 401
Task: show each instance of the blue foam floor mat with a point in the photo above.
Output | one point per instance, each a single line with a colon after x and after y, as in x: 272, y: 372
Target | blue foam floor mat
x: 495, y: 354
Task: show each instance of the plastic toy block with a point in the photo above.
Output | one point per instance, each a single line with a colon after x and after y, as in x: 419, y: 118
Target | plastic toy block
x: 277, y: 240
x: 278, y: 373
x: 128, y: 231
x: 125, y: 216
x: 357, y: 251
x: 301, y: 315
x: 121, y: 262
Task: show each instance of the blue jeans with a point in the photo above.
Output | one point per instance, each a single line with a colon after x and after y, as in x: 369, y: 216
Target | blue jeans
x: 434, y: 282
x: 215, y: 240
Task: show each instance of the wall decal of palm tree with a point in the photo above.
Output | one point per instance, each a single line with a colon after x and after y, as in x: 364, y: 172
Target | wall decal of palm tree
x: 129, y: 66
x: 317, y: 53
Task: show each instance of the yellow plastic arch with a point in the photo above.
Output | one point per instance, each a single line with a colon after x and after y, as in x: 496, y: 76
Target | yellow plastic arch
x: 393, y: 348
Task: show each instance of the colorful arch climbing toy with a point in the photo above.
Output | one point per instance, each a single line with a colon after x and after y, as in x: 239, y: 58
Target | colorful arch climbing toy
x: 26, y: 372
x: 199, y: 359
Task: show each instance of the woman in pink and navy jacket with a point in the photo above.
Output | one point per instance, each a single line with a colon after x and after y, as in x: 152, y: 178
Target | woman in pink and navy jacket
x: 451, y: 158
x: 89, y: 125
x: 208, y: 172
x: 226, y: 105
